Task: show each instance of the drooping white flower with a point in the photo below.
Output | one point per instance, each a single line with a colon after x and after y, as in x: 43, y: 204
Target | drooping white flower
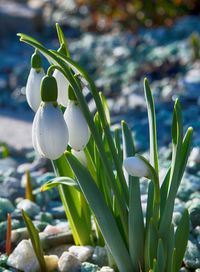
x: 136, y: 167
x: 49, y: 131
x: 80, y: 155
x: 63, y: 85
x: 79, y: 133
x: 33, y: 95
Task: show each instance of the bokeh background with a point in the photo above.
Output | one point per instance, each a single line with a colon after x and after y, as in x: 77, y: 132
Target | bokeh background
x: 118, y: 42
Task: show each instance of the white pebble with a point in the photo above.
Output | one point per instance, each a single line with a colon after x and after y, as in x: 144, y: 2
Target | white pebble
x: 69, y: 263
x: 83, y: 253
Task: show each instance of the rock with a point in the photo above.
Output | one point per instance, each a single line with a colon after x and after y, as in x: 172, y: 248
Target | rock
x: 57, y: 250
x: 192, y: 83
x: 106, y: 269
x: 5, y: 207
x: 192, y: 256
x: 18, y: 235
x: 44, y: 217
x: 83, y: 253
x: 56, y: 209
x: 10, y: 188
x: 88, y: 267
x: 3, y: 228
x: 69, y: 263
x: 7, y: 164
x: 99, y: 256
x: 29, y: 207
x: 194, y: 212
x: 51, y: 262
x: 23, y: 258
x: 195, y: 155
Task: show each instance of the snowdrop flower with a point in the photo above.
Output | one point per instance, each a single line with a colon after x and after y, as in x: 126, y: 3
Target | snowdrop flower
x: 36, y: 74
x: 49, y: 130
x: 79, y: 133
x: 136, y: 167
x: 63, y: 85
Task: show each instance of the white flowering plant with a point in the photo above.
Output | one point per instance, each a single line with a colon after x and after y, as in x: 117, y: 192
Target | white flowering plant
x: 98, y: 177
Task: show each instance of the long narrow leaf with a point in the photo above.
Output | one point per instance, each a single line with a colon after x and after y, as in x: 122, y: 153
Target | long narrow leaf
x: 181, y: 238
x: 35, y: 240
x: 59, y: 181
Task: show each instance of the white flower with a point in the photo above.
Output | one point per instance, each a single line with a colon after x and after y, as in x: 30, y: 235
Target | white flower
x: 80, y: 155
x: 33, y: 95
x: 136, y: 167
x: 63, y: 85
x: 49, y: 131
x: 79, y: 133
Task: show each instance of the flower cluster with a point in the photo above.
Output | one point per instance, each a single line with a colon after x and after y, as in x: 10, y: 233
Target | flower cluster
x: 52, y: 131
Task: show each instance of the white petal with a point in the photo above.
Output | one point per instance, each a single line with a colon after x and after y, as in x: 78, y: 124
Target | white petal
x: 79, y: 133
x: 63, y: 85
x: 51, y: 131
x: 33, y: 95
x: 136, y: 167
x: 80, y: 155
x: 34, y: 134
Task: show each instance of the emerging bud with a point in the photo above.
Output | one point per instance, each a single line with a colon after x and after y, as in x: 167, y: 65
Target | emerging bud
x: 79, y: 133
x: 136, y: 167
x: 36, y: 74
x: 49, y: 131
x: 63, y: 85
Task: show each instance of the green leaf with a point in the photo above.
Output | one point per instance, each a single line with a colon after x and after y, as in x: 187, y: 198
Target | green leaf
x: 103, y: 215
x: 62, y: 39
x: 118, y: 144
x: 161, y: 256
x: 152, y: 125
x: 66, y: 181
x: 169, y: 245
x: 181, y: 239
x: 35, y: 240
x: 105, y: 106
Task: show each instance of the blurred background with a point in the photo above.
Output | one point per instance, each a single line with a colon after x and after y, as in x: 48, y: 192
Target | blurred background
x: 118, y: 42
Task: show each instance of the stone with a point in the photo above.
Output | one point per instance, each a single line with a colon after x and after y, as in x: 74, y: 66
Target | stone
x: 106, y: 269
x: 194, y: 212
x: 57, y: 250
x: 6, y: 164
x: 192, y: 256
x: 195, y: 155
x: 56, y: 209
x: 51, y: 262
x: 29, y: 207
x: 3, y: 227
x: 69, y: 263
x: 99, y: 256
x: 23, y: 258
x: 5, y: 207
x: 11, y: 189
x: 83, y: 253
x: 44, y: 217
x: 89, y: 267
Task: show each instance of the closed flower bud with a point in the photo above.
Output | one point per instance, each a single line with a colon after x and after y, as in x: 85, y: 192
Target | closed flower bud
x: 136, y: 167
x: 49, y: 131
x: 33, y: 95
x: 79, y: 133
x: 63, y: 85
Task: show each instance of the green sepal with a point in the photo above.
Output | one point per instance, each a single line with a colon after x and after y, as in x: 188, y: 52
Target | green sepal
x: 36, y: 61
x: 49, y: 89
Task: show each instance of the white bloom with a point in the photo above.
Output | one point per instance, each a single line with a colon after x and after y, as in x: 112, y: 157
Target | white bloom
x: 33, y: 95
x: 136, y: 167
x: 49, y: 131
x: 80, y: 155
x: 63, y: 85
x: 79, y: 133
